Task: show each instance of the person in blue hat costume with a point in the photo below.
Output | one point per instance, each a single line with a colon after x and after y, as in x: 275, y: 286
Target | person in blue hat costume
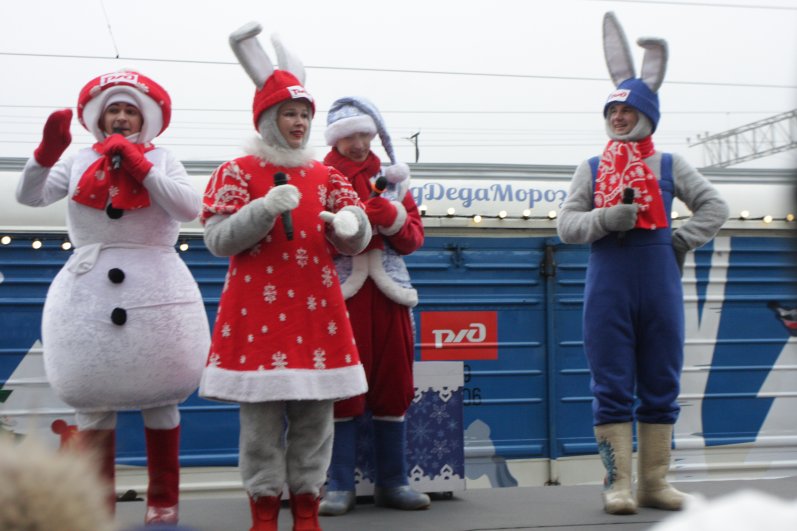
x: 633, y: 320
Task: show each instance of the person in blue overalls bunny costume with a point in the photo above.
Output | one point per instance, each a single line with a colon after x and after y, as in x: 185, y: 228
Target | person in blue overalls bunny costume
x: 633, y: 299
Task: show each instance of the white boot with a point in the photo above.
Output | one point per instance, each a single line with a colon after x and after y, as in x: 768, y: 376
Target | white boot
x: 615, y: 445
x: 653, y: 490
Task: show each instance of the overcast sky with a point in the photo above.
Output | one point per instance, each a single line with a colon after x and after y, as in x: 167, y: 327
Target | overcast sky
x: 498, y: 81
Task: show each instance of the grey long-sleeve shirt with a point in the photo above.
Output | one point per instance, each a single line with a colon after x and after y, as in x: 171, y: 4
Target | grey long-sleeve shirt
x: 579, y: 222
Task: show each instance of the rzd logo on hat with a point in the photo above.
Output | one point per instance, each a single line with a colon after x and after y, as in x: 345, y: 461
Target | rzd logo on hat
x: 119, y: 77
x: 619, y: 95
x: 447, y: 336
x: 298, y: 91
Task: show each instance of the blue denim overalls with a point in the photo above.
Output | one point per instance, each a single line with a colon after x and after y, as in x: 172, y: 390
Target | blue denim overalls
x: 634, y: 320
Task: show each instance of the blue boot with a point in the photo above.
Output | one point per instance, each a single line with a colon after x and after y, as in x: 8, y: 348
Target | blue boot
x: 340, y: 496
x: 392, y: 487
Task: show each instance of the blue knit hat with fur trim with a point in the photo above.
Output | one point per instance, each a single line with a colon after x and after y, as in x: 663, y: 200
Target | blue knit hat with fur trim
x: 635, y: 93
x: 357, y: 115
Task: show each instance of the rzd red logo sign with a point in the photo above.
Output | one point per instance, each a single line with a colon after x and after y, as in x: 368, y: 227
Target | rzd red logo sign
x: 447, y: 336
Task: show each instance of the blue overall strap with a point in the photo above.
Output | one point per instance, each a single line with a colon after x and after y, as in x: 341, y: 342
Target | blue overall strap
x: 593, y: 165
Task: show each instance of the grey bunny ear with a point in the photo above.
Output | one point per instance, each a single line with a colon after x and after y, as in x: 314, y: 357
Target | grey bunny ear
x: 287, y: 60
x: 616, y: 50
x: 654, y: 64
x: 250, y: 54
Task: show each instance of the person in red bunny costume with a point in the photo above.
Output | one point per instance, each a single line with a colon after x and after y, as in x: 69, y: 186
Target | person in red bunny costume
x: 124, y: 325
x: 282, y: 344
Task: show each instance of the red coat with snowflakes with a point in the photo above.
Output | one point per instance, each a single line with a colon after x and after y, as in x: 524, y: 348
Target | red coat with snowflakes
x: 282, y: 330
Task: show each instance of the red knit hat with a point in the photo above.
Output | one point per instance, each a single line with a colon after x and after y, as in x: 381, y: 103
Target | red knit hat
x: 153, y: 102
x: 280, y: 86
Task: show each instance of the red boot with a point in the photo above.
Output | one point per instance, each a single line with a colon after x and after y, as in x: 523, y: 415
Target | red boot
x: 304, y: 508
x: 101, y: 445
x: 265, y: 513
x: 163, y: 468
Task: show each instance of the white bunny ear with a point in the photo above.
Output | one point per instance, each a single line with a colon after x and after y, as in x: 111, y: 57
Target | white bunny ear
x: 616, y: 50
x: 287, y: 60
x: 654, y: 64
x: 250, y: 54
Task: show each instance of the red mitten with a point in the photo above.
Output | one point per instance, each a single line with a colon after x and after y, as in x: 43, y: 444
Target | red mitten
x: 380, y: 211
x: 133, y: 159
x: 55, y: 138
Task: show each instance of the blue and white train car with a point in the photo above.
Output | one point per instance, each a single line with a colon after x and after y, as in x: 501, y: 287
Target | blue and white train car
x: 501, y: 301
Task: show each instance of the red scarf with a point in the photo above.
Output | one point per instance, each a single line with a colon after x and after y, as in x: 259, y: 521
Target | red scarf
x: 622, y: 166
x: 359, y: 173
x: 100, y: 180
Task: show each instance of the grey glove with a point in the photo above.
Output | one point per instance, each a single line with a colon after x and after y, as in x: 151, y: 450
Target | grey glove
x: 619, y: 218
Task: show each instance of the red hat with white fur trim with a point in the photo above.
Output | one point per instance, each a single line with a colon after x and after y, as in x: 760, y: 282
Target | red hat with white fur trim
x: 280, y: 86
x: 150, y: 98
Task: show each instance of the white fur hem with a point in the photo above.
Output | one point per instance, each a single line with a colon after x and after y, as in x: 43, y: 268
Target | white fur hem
x: 282, y: 384
x: 370, y: 264
x: 359, y: 272
x: 394, y: 292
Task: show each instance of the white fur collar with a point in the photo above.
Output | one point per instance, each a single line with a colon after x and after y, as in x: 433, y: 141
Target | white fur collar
x: 290, y: 158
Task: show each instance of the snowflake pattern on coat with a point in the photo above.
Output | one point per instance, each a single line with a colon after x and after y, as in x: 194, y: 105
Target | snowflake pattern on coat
x: 264, y: 323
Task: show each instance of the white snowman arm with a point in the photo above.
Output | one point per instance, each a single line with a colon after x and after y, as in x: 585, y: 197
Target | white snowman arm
x: 40, y: 186
x: 170, y: 187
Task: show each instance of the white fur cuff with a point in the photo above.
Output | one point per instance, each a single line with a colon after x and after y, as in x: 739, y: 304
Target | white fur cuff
x: 401, y: 217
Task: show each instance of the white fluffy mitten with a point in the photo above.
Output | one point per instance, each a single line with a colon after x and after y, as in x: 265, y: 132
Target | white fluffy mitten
x: 343, y: 222
x: 281, y: 199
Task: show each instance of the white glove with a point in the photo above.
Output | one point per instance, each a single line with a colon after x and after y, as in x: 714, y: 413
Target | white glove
x: 343, y: 222
x: 281, y: 199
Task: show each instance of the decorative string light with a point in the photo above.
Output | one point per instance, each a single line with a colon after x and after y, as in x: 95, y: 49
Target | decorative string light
x: 422, y: 210
x: 552, y: 214
x: 36, y: 244
x: 744, y: 214
x: 767, y: 219
x: 66, y: 245
x: 526, y: 214
x: 183, y: 246
x: 674, y: 214
x: 5, y: 240
x: 502, y: 214
x: 477, y: 219
x: 450, y: 211
x: 789, y: 217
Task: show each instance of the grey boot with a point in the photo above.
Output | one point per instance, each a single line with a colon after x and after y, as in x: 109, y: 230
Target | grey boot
x: 655, y: 441
x: 392, y: 488
x: 615, y: 445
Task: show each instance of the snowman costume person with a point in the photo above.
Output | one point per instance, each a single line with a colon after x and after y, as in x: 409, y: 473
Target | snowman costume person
x: 633, y: 298
x: 124, y: 326
x: 282, y: 344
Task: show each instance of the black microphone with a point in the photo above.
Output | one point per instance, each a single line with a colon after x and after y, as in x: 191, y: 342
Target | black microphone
x: 378, y: 186
x: 628, y: 198
x: 116, y: 160
x: 280, y: 179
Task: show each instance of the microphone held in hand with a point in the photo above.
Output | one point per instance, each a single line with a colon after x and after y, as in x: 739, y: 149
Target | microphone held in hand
x: 378, y: 186
x: 279, y: 179
x: 628, y: 198
x: 116, y: 160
